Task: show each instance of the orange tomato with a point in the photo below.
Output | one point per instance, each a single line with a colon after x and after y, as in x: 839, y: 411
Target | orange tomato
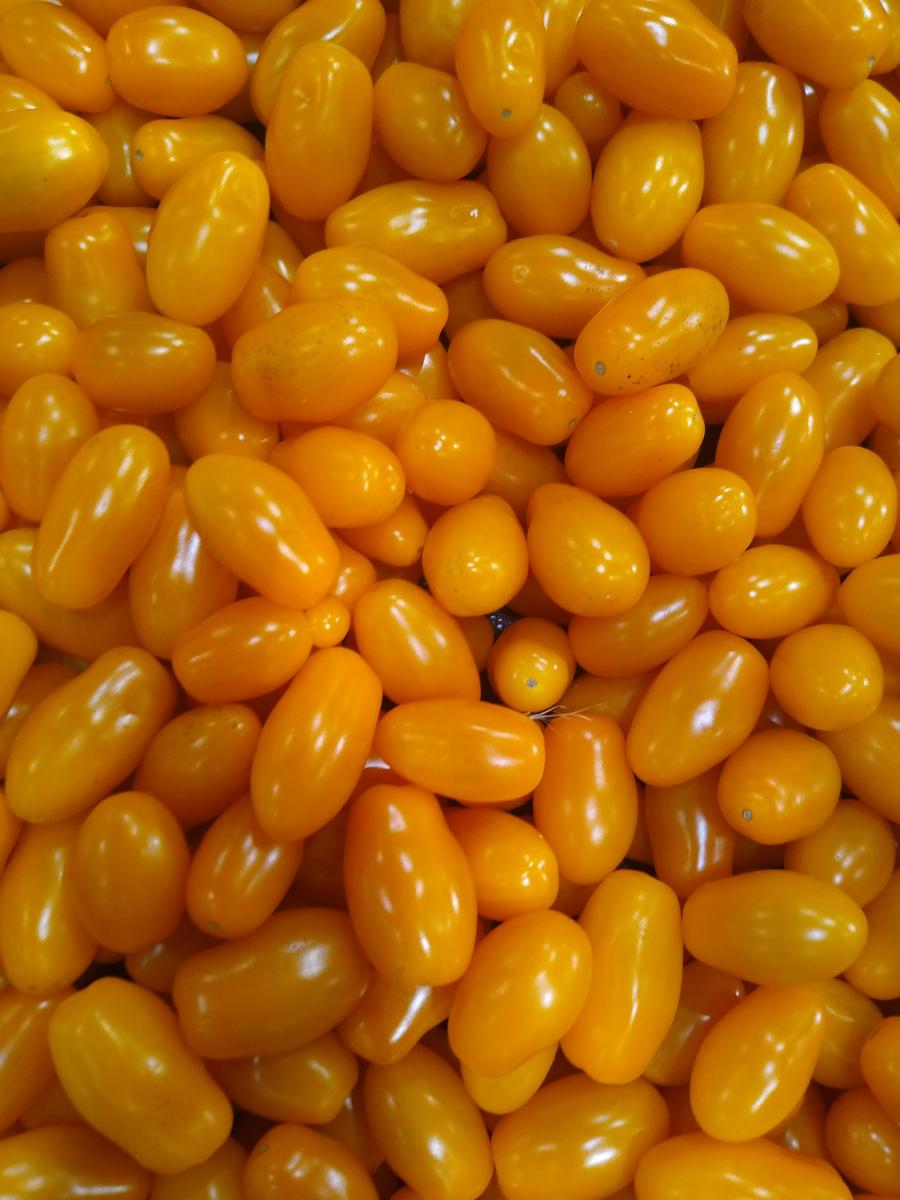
x: 876, y: 971
x: 690, y: 839
x: 164, y: 150
x: 216, y: 422
x: 772, y: 590
x: 475, y: 557
x: 35, y: 339
x: 863, y: 1142
x: 858, y: 127
x: 397, y: 540
x: 513, y: 867
x: 27, y: 1068
x: 850, y: 1018
x: 707, y: 995
x: 93, y: 270
x: 867, y: 753
x: 878, y: 1064
x: 594, y: 111
x: 291, y: 1160
x: 59, y: 52
x: 750, y: 350
x: 846, y: 373
x: 531, y: 664
x: 392, y: 1017
x: 37, y: 683
x: 660, y: 56
x: 838, y: 52
x: 866, y: 598
x: 219, y: 1176
x: 853, y: 849
x: 61, y: 1162
x: 850, y: 507
x: 118, y: 127
x: 500, y: 61
x: 772, y: 927
x: 828, y: 677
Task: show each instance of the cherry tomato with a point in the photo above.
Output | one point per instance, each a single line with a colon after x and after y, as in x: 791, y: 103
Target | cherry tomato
x: 838, y: 52
x: 93, y: 270
x: 392, y: 1017
x: 876, y: 971
x: 586, y: 802
x: 154, y: 966
x: 24, y: 279
x: 531, y: 665
x: 850, y: 508
x: 60, y: 52
x: 863, y: 1141
x: 276, y: 989
x: 541, y: 176
x: 216, y: 422
x: 429, y: 29
x: 430, y: 1131
x: 19, y: 648
x: 218, y: 1178
x: 853, y: 849
x: 470, y: 751
x: 827, y: 319
x: 17, y: 93
x: 773, y: 927
x: 118, y: 126
x: 37, y: 683
x: 647, y: 185
x: 439, y: 230
x: 696, y: 1165
x: 34, y: 339
x: 866, y: 598
x: 500, y: 61
x: 659, y: 56
x: 98, y: 726
x: 689, y: 837
x: 129, y: 870
x: 447, y: 451
x: 414, y: 647
x: 770, y: 591
x: 513, y: 867
x: 397, y: 541
x: 43, y: 945
x: 293, y: 1161
x: 498, y: 1094
x: 424, y: 122
x: 68, y: 1162
x: 752, y: 147
x: 878, y: 1064
x: 828, y: 677
x: 767, y: 258
x: 529, y: 978
x: 859, y: 126
x: 475, y: 557
x: 850, y: 1017
x: 519, y: 470
x: 52, y: 163
x: 577, y: 1138
x: 100, y: 515
x: 170, y: 60
x: 707, y: 995
x: 867, y: 753
x: 884, y: 396
x: 633, y: 925
x: 665, y: 323
x: 844, y: 372
x: 750, y: 350
x: 315, y: 361
x: 858, y: 225
x: 163, y: 151
x: 27, y: 1068
x: 355, y: 25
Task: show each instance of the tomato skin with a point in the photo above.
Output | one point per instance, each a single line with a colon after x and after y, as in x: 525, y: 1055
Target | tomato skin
x: 324, y: 102
x: 216, y: 422
x: 164, y: 1108
x: 878, y: 1064
x: 447, y: 450
x: 859, y: 126
x: 883, y: 397
x: 210, y: 225
x: 35, y: 339
x: 227, y: 1001
x: 17, y: 93
x: 414, y: 646
x: 470, y: 751
x: 154, y: 966
x: 409, y: 888
x: 439, y: 230
x: 768, y: 259
x: 866, y: 597
x: 396, y: 541
x: 851, y: 481
x: 867, y: 752
x: 356, y: 25
x: 707, y: 995
x: 500, y: 61
x: 59, y: 52
x: 770, y: 591
x: 828, y: 677
x: 164, y: 150
x: 838, y: 52
x: 27, y: 1068
x: 52, y: 163
x: 586, y: 802
x: 554, y: 284
x: 293, y: 1161
x: 846, y: 374
x: 63, y: 1162
x: 751, y: 149
x: 99, y: 724
x: 862, y: 1141
x: 129, y: 870
x: 429, y: 1130
x: 665, y: 323
x: 93, y: 270
x: 321, y: 730
x: 774, y: 927
x: 647, y: 185
x: 632, y: 923
x: 594, y: 111
x: 689, y: 837
x: 755, y: 1065
x: 306, y: 364
x: 694, y: 1164
x: 876, y: 971
x: 528, y: 978
x: 513, y: 867
x: 853, y: 849
x: 850, y: 1018
x: 170, y: 60
x: 750, y: 350
x: 546, y: 1147
x: 238, y: 876
x: 37, y: 683
x: 475, y: 557
x: 391, y: 1018
x: 587, y: 556
x: 541, y: 176
x: 662, y: 56
x: 858, y: 225
x: 531, y: 664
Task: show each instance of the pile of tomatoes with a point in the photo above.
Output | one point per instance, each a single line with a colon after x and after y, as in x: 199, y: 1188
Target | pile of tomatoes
x: 449, y: 600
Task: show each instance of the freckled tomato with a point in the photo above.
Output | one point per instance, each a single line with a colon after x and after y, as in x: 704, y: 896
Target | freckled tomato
x: 475, y: 557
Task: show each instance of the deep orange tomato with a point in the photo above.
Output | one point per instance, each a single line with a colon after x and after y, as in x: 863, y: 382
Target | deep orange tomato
x: 706, y: 996
x: 691, y: 841
x: 292, y: 1160
x: 93, y: 270
x: 500, y: 62
x: 772, y: 590
x: 475, y: 557
x: 853, y: 848
x: 62, y: 1162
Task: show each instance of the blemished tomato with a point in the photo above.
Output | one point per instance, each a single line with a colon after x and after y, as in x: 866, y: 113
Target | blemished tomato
x: 858, y: 225
x: 828, y: 677
x: 690, y: 840
x: 659, y: 56
x: 647, y: 185
x: 754, y: 1066
x: 524, y: 988
x: 577, y: 1138
x: 160, y: 1105
x: 772, y: 590
x: 415, y: 647
x: 293, y: 1161
x: 694, y: 1164
x: 853, y: 848
x: 706, y: 996
x: 500, y: 62
x: 64, y: 1162
x: 427, y: 1126
x: 837, y: 52
x: 129, y: 870
x: 98, y: 726
x: 633, y: 925
x: 652, y: 332
x: 174, y: 61
x: 752, y: 147
x: 319, y: 130
x: 771, y: 927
